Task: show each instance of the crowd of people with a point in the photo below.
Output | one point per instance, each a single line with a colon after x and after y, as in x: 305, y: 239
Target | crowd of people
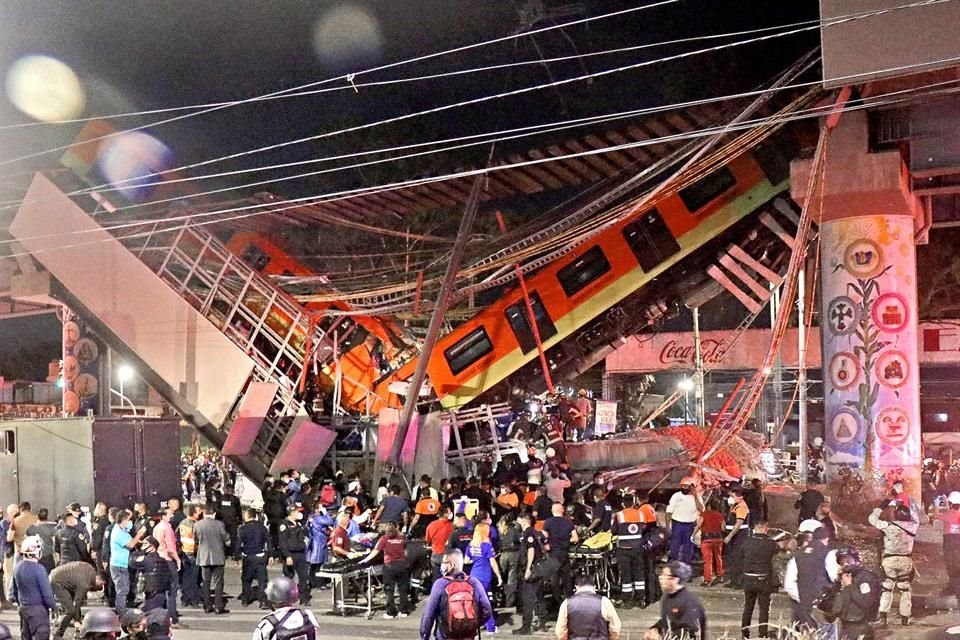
x: 509, y: 542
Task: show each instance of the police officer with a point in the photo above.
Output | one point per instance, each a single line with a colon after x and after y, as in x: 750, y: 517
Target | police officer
x: 628, y: 528
x: 531, y: 588
x: 286, y: 620
x: 899, y: 528
x: 587, y: 614
x: 252, y: 550
x: 811, y: 570
x: 229, y: 511
x: 133, y: 622
x: 602, y: 512
x: 758, y: 577
x: 951, y: 543
x: 681, y: 613
x: 100, y: 624
x: 156, y: 574
x: 856, y: 605
x: 292, y: 540
x: 72, y: 542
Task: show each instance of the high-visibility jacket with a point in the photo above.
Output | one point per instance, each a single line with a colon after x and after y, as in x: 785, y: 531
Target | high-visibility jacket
x: 628, y: 528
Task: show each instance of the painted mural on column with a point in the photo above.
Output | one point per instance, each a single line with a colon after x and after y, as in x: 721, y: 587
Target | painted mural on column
x: 81, y: 358
x: 869, y: 340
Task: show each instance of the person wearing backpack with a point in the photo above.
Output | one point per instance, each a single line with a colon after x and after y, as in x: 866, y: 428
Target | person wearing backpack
x: 458, y: 605
x: 287, y: 621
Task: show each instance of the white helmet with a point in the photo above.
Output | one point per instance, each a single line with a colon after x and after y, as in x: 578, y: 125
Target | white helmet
x: 818, y: 441
x: 954, y: 497
x: 809, y: 525
x: 32, y: 547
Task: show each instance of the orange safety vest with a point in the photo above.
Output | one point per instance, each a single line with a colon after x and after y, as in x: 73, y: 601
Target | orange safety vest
x: 647, y: 513
x: 530, y: 498
x: 427, y: 507
x: 628, y: 527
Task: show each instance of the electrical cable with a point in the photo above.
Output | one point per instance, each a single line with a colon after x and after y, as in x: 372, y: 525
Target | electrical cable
x: 349, y: 78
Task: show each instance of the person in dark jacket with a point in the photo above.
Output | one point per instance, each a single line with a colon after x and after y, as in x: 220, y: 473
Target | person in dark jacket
x: 587, y: 614
x: 32, y: 591
x: 48, y: 533
x: 71, y: 582
x: 293, y: 549
x: 72, y: 542
x: 681, y: 612
x: 99, y: 523
x: 759, y: 580
x: 229, y: 512
x: 156, y: 574
x: 275, y: 509
x: 435, y: 612
x: 253, y: 550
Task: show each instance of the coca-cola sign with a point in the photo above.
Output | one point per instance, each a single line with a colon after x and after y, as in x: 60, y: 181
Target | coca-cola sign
x: 676, y: 352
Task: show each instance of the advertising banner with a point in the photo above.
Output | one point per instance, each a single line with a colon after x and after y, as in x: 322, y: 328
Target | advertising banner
x: 606, y: 417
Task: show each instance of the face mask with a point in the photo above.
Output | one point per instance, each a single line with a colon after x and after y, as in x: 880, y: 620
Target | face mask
x: 685, y: 491
x: 127, y: 525
x: 731, y: 501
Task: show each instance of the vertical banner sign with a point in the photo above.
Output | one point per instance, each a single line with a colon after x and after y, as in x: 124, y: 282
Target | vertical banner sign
x: 870, y: 361
x: 606, y: 417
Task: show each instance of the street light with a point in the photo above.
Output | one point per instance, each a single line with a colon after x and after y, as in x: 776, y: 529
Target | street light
x: 686, y: 385
x: 125, y: 373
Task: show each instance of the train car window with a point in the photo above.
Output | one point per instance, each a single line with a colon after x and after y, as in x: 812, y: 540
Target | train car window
x: 255, y: 257
x: 706, y: 189
x: 464, y: 353
x: 519, y: 320
x: 650, y: 240
x: 582, y: 271
x: 773, y: 161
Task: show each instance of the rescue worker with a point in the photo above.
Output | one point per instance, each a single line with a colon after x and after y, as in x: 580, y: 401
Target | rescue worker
x: 899, y: 529
x: 737, y: 523
x: 32, y: 591
x: 951, y: 543
x: 72, y: 542
x: 253, y: 552
x: 287, y: 620
x: 156, y: 574
x: 531, y: 588
x: 319, y: 527
x: 759, y: 580
x: 461, y: 535
x: 396, y: 573
x: 681, y: 613
x: 436, y: 536
x: 293, y: 549
x: 587, y: 614
x: 100, y: 624
x: 602, y: 512
x: 70, y: 583
x: 425, y: 511
x: 628, y: 529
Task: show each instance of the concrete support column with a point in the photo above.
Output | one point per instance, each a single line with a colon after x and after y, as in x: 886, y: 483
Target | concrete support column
x: 868, y: 316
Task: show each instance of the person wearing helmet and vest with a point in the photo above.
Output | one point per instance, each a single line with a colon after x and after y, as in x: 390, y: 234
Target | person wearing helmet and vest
x: 287, y: 620
x: 100, y: 624
x: 32, y: 591
x: 896, y: 521
x: 951, y: 542
x: 628, y: 528
x: 587, y: 614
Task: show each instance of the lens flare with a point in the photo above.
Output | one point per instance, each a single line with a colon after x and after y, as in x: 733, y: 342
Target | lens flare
x: 45, y: 89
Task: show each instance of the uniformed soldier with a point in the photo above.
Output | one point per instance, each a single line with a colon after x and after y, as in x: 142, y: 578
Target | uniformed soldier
x: 531, y: 589
x: 628, y: 529
x: 100, y: 624
x: 951, y: 543
x: 758, y: 577
x: 253, y: 551
x: 72, y: 541
x: 287, y: 621
x: 899, y: 529
x: 156, y: 574
x: 292, y: 540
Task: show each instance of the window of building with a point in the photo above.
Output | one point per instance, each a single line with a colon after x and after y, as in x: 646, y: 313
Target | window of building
x: 582, y: 271
x: 468, y: 350
x: 519, y: 319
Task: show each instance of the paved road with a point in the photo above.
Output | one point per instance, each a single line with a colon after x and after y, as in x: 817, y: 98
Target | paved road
x: 723, y: 610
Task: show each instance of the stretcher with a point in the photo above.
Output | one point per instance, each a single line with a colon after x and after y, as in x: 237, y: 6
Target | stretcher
x: 600, y: 563
x: 348, y: 574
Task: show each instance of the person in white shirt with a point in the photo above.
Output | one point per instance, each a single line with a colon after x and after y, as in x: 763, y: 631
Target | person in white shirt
x: 683, y: 511
x: 556, y: 484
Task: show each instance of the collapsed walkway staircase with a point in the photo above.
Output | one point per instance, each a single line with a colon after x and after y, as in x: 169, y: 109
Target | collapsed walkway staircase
x: 212, y: 335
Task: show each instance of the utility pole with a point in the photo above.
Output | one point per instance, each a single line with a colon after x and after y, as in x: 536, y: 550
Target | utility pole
x: 698, y: 397
x: 802, y: 370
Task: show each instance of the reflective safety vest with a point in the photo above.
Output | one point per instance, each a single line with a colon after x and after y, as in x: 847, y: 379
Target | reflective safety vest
x: 647, y: 513
x: 187, y: 543
x: 628, y: 528
x: 427, y: 507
